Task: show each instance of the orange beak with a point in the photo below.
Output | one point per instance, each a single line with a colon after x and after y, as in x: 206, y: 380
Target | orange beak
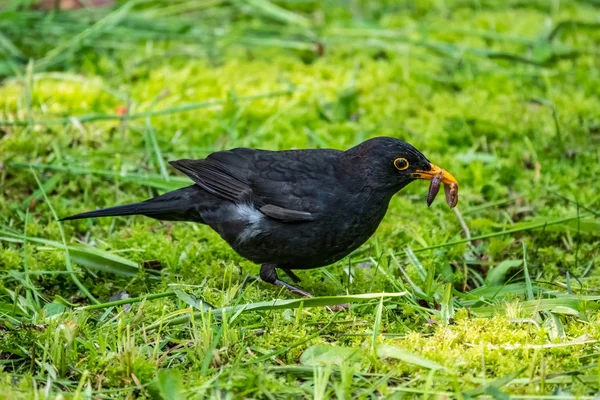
x: 447, y: 177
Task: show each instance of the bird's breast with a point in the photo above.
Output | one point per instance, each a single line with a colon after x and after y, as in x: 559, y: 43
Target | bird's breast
x: 339, y: 228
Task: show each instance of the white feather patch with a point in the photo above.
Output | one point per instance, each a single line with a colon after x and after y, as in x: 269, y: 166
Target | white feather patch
x: 252, y: 218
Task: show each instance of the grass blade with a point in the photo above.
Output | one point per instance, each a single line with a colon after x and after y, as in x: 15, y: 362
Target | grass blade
x: 387, y: 351
x: 561, y: 305
x: 68, y: 264
x: 277, y: 304
x: 192, y: 301
x: 292, y: 346
x: 95, y: 30
x: 527, y: 276
x: 87, y: 256
x: 497, y: 384
x: 416, y: 263
x: 447, y: 306
x: 130, y: 300
x: 502, y: 233
x: 417, y: 290
x: 147, y: 114
x: 376, y: 328
x: 151, y: 180
x: 170, y: 384
x: 280, y: 14
x: 157, y: 153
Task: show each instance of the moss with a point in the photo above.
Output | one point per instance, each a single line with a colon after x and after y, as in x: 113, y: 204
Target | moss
x: 487, y: 119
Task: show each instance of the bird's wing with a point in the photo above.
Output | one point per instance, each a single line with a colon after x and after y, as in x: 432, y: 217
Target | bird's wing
x: 223, y: 173
x: 283, y: 185
x: 292, y: 181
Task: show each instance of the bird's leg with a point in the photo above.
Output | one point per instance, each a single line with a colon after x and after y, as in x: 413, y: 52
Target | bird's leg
x: 269, y: 275
x: 292, y: 275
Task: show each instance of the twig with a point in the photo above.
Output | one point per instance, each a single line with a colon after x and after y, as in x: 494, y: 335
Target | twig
x: 462, y: 222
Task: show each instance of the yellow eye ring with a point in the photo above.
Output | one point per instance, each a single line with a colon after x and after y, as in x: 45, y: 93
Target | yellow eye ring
x: 401, y: 164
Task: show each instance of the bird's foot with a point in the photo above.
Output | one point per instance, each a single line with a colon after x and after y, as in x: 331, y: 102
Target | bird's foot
x: 269, y: 275
x: 293, y: 289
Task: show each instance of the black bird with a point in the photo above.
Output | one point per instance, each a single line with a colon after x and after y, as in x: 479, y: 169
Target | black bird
x: 293, y: 209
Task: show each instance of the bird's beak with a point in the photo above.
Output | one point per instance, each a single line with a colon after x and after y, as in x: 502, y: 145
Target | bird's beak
x: 447, y: 177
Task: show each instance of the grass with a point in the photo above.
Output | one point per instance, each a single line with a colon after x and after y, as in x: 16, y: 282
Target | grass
x: 497, y: 300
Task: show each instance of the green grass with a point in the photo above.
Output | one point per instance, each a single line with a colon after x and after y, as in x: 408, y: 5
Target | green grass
x: 497, y: 300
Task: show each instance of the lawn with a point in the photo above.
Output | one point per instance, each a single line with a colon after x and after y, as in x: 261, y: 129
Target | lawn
x: 498, y: 297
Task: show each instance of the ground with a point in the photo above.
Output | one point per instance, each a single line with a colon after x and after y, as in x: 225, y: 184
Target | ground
x: 499, y: 298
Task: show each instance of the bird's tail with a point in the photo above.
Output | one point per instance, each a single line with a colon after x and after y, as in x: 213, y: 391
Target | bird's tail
x: 179, y: 205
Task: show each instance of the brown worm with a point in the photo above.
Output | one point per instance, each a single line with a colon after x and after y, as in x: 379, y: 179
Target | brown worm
x: 451, y: 191
x: 434, y: 188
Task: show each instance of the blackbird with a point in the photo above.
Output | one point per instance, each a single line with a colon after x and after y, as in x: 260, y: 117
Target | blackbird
x: 292, y: 209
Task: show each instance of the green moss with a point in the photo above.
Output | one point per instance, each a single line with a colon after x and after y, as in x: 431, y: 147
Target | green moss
x: 442, y: 81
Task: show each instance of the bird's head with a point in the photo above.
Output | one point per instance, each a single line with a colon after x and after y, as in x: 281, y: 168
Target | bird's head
x: 389, y: 164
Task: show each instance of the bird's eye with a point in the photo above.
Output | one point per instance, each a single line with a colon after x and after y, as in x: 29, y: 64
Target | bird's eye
x: 401, y: 164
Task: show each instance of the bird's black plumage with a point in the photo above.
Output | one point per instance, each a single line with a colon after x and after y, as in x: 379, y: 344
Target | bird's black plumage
x: 294, y: 209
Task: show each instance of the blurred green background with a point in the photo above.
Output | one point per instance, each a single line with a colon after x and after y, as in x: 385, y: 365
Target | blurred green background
x: 501, y: 296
